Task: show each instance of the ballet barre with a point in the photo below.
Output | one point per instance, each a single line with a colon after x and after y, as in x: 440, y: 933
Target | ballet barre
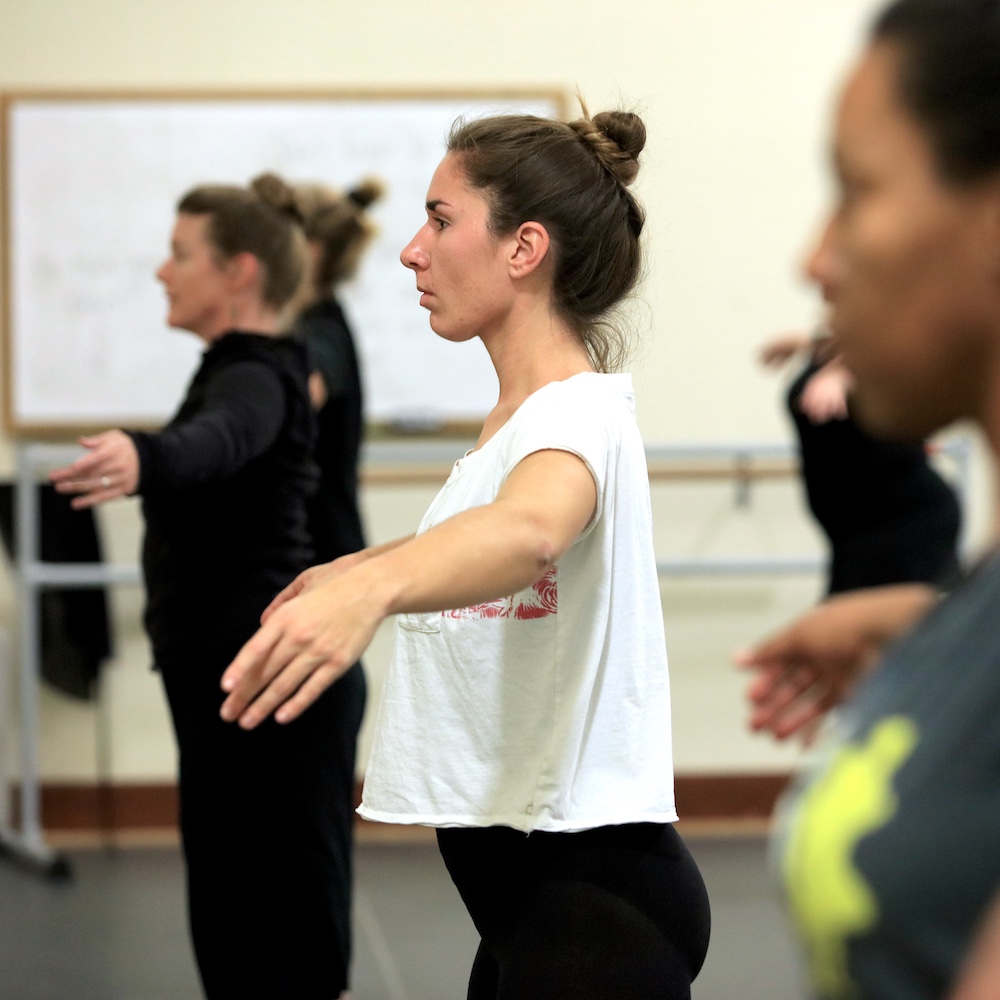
x: 384, y: 464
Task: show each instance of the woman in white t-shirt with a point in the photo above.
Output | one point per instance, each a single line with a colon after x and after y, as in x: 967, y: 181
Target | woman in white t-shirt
x: 526, y: 711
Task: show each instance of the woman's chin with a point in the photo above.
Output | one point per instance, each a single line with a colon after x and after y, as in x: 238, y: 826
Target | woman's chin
x: 447, y: 332
x: 178, y: 323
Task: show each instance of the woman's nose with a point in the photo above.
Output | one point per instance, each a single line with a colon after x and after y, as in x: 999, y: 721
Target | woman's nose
x: 161, y: 271
x: 820, y: 265
x: 414, y: 256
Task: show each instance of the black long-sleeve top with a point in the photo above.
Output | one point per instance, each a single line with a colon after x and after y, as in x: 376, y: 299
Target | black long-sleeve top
x: 224, y: 487
x: 334, y: 517
x: 889, y: 515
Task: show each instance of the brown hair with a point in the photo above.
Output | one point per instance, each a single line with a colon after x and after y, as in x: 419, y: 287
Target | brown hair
x: 573, y: 179
x: 341, y: 225
x: 263, y: 219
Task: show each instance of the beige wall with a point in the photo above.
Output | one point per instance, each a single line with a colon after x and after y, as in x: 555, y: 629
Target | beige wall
x: 735, y: 94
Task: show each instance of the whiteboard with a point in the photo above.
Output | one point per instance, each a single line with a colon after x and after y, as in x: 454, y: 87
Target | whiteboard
x: 90, y: 185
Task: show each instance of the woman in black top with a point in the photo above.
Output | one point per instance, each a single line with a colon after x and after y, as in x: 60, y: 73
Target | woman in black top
x: 339, y: 230
x: 889, y: 516
x: 225, y: 486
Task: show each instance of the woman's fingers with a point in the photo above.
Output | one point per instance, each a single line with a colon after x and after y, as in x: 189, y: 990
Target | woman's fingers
x: 787, y: 695
x: 282, y: 670
x: 247, y: 675
x: 783, y: 689
x: 792, y: 706
x: 284, y: 596
x: 313, y: 686
x: 307, y: 579
x: 108, y: 470
x: 308, y: 640
x: 285, y: 681
x: 783, y: 701
x: 93, y: 498
x: 284, y: 684
x: 80, y: 472
x: 303, y: 582
x: 100, y: 485
x: 798, y: 720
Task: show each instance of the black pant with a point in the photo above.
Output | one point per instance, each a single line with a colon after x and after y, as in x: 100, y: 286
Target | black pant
x: 266, y: 823
x: 614, y: 913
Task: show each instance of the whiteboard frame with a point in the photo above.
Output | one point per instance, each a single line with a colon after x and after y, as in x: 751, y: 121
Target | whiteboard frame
x: 63, y: 429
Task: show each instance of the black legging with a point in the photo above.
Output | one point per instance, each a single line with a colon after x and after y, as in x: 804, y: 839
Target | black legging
x: 613, y: 913
x: 266, y: 823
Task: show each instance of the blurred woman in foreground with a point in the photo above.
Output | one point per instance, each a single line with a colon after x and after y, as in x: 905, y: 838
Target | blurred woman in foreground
x: 891, y: 860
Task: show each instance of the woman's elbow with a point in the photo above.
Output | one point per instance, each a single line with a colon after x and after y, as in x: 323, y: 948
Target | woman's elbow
x: 547, y: 546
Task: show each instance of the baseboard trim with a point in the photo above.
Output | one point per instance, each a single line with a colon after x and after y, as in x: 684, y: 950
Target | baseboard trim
x: 728, y: 796
x: 68, y: 807
x: 92, y: 807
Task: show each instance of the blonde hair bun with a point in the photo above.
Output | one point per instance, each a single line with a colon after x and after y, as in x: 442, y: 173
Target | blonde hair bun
x: 274, y: 191
x: 366, y: 192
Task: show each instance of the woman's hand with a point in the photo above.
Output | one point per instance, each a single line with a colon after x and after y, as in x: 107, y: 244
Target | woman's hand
x: 307, y: 641
x: 309, y: 636
x: 110, y: 469
x: 317, y: 391
x: 312, y: 577
x: 824, y: 397
x: 814, y: 663
x: 778, y: 350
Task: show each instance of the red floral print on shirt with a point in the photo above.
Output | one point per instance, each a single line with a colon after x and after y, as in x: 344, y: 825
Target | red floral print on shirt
x: 540, y: 601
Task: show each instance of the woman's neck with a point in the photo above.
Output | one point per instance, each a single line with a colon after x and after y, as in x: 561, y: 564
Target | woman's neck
x: 249, y: 316
x: 528, y: 355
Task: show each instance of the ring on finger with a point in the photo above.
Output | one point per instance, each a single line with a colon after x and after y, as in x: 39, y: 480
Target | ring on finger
x: 105, y: 481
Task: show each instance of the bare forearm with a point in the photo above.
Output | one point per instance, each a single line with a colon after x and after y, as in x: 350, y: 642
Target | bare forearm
x: 476, y: 556
x: 895, y: 609
x: 377, y: 550
x: 322, y: 623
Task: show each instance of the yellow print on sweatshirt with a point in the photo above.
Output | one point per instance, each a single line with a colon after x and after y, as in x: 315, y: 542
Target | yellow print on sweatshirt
x: 829, y: 898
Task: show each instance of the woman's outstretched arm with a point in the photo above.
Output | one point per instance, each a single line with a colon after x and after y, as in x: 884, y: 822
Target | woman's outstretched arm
x: 813, y: 663
x: 308, y: 641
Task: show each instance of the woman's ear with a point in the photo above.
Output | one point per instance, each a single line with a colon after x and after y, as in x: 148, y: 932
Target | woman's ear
x: 243, y: 270
x: 529, y: 250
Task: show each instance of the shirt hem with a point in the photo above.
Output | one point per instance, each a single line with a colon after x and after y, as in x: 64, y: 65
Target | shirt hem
x: 527, y: 824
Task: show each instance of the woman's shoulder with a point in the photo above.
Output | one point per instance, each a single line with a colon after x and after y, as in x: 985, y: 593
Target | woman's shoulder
x: 239, y: 356
x: 587, y: 395
x: 325, y: 309
x: 269, y: 349
x: 587, y: 407
x: 323, y: 319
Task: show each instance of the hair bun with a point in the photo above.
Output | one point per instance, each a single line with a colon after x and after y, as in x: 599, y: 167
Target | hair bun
x: 616, y: 139
x: 366, y: 191
x: 273, y: 191
x: 624, y: 128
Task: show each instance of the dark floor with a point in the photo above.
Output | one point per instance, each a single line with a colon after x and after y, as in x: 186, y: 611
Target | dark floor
x: 116, y: 930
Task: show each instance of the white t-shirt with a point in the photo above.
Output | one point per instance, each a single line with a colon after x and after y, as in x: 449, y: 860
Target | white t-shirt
x: 549, y: 709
